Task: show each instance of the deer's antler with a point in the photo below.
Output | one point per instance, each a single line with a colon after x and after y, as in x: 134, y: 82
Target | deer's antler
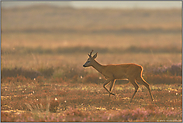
x: 90, y: 53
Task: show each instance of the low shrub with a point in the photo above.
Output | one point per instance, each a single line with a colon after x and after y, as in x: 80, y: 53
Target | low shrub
x: 174, y: 69
x: 46, y: 71
x: 155, y: 75
x: 70, y: 72
x: 6, y: 72
x: 163, y: 79
x: 93, y: 78
x: 142, y: 114
x: 54, y: 103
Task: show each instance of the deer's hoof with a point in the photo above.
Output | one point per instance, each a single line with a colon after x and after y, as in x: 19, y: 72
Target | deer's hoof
x: 111, y: 94
x: 130, y: 101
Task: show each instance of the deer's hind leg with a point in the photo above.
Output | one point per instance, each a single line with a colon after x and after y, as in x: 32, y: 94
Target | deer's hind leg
x: 142, y: 81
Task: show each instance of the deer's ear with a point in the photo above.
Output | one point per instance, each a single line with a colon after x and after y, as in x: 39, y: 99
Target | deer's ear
x: 95, y: 56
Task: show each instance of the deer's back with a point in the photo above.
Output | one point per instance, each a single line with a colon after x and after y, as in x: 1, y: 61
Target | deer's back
x: 122, y: 71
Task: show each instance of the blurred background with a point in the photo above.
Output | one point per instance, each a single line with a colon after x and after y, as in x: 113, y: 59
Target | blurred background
x: 50, y: 33
x: 100, y: 4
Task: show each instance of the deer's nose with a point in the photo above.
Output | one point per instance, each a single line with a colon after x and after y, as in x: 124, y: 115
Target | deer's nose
x: 84, y: 66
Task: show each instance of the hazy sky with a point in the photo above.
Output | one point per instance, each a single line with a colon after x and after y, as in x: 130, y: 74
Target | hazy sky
x: 100, y: 4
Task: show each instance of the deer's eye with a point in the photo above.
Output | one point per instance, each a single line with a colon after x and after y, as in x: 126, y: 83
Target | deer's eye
x: 87, y: 62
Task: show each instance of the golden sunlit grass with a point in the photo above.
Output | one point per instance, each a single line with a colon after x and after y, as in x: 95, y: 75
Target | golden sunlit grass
x: 58, y: 39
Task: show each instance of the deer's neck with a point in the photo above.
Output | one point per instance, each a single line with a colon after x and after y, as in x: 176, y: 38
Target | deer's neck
x: 98, y: 66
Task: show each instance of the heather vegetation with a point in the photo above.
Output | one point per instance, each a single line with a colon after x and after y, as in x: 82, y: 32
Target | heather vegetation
x: 44, y: 48
x: 170, y: 75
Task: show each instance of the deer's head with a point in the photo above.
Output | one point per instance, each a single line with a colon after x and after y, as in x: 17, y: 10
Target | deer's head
x: 90, y: 60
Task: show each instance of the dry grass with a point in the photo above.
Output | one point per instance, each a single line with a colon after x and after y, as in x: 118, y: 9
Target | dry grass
x: 55, y: 40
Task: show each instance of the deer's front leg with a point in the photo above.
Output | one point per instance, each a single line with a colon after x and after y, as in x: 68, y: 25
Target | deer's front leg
x: 107, y: 82
x: 111, y: 87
